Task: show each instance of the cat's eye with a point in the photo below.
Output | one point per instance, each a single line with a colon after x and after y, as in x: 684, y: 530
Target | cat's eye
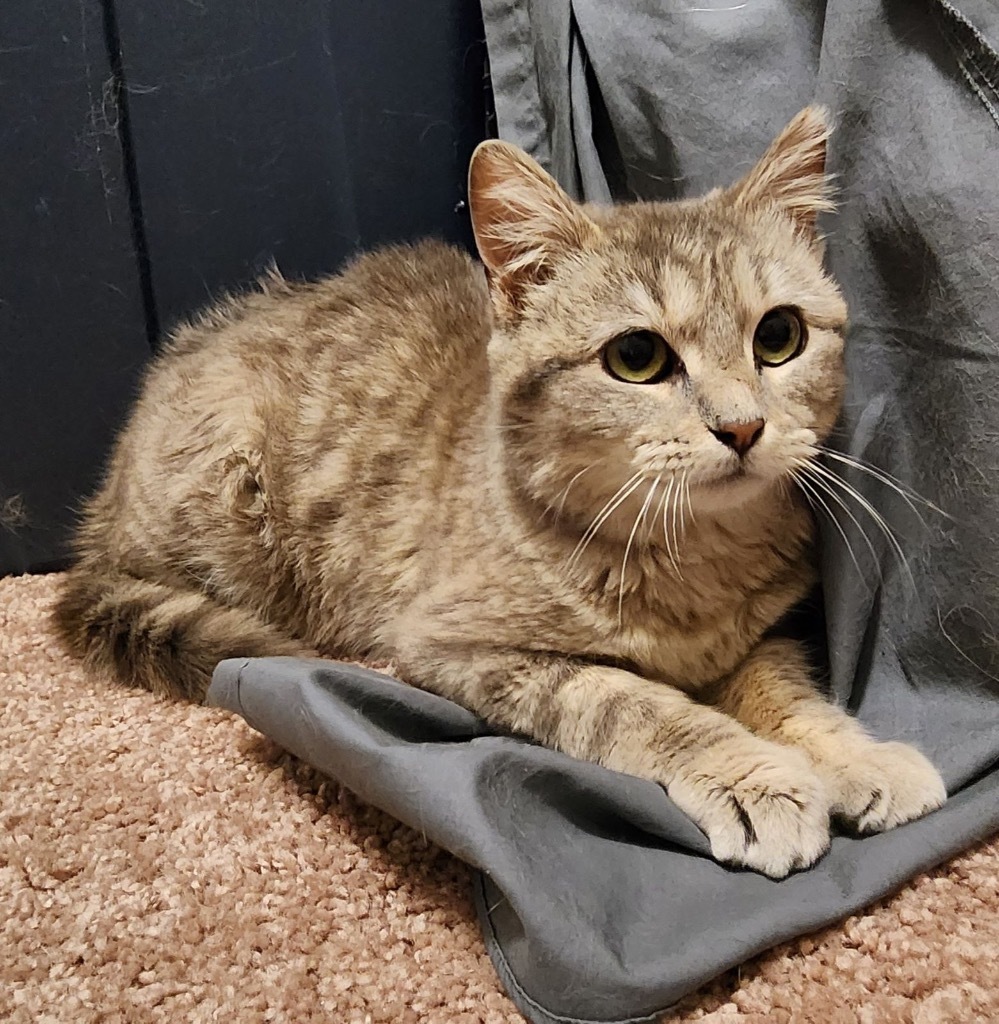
x: 779, y: 337
x: 639, y: 357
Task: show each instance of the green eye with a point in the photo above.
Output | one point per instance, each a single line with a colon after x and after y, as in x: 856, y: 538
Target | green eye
x: 779, y: 337
x: 640, y: 357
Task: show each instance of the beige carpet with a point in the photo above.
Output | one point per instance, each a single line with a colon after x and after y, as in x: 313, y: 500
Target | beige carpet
x: 163, y: 863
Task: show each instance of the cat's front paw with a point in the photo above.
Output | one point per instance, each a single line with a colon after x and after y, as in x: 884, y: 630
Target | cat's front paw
x: 762, y: 808
x: 876, y: 786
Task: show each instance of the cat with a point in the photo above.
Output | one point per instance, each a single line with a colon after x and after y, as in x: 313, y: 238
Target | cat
x: 556, y: 487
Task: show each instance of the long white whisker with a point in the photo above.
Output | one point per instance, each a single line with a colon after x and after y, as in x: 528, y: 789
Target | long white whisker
x: 659, y: 509
x: 649, y: 522
x: 690, y: 504
x: 621, y: 495
x: 659, y: 512
x: 664, y: 512
x: 811, y: 492
x: 882, y: 474
x: 908, y: 495
x: 596, y: 519
x: 568, y: 486
x: 831, y: 477
x: 684, y: 491
x: 666, y: 536
x: 678, y: 507
x: 820, y: 483
x: 627, y: 548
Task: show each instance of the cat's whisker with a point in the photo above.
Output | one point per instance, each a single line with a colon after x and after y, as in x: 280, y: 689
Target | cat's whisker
x: 684, y: 502
x: 669, y: 547
x: 568, y: 487
x: 690, y: 504
x: 678, y: 508
x: 663, y: 513
x: 818, y: 470
x: 908, y: 495
x: 605, y: 515
x: 627, y: 548
x: 617, y: 499
x: 822, y: 486
x: 654, y: 519
x: 812, y: 495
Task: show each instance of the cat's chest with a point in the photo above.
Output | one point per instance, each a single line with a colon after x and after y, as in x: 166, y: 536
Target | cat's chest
x: 690, y: 656
x: 690, y: 626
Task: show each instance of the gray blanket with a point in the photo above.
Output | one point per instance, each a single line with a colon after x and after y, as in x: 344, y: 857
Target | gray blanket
x: 597, y: 898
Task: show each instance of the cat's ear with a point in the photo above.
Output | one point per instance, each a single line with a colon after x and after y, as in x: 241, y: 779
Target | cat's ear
x: 792, y: 173
x: 522, y: 219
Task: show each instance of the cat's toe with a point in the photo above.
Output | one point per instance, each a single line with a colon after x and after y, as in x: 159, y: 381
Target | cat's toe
x: 768, y: 814
x: 882, y: 785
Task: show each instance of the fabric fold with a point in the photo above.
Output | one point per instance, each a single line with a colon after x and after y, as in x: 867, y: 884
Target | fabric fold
x: 598, y: 898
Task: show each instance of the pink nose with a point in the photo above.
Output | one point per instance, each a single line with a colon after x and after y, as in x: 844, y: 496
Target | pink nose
x: 739, y: 437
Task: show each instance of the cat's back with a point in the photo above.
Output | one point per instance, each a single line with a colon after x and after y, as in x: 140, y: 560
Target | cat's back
x: 398, y: 316
x: 285, y: 356
x: 262, y: 389
x: 397, y: 377
x: 392, y: 341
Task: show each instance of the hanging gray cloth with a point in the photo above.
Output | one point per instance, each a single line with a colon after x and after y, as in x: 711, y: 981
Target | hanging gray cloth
x: 598, y: 899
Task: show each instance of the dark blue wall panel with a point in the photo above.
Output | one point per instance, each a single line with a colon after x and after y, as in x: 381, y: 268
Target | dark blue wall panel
x: 72, y: 326
x: 298, y: 132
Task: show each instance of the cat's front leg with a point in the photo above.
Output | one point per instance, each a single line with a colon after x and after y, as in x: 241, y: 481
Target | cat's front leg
x: 759, y: 803
x: 873, y: 786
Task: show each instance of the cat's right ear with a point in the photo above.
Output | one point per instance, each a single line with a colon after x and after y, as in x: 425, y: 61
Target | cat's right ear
x: 522, y: 219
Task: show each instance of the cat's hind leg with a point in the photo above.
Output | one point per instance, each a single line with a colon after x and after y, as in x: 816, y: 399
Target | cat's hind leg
x: 161, y: 637
x: 873, y: 786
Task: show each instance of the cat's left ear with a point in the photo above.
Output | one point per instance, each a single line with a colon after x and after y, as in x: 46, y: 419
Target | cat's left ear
x: 792, y: 173
x: 522, y: 219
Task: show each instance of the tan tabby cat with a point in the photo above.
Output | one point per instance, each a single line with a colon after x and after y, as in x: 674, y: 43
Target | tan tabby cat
x: 558, y: 492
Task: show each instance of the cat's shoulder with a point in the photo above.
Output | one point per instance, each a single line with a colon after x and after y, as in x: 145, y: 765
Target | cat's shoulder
x: 428, y: 283
x: 416, y: 293
x: 397, y: 272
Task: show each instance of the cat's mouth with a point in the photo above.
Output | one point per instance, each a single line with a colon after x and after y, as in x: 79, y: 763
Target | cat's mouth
x: 727, y: 477
x: 730, y: 487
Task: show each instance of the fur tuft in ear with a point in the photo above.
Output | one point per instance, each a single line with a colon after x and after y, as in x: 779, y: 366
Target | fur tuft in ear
x: 792, y: 173
x: 522, y: 219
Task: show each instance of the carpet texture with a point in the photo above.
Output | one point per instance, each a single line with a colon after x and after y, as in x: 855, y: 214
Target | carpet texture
x: 164, y: 863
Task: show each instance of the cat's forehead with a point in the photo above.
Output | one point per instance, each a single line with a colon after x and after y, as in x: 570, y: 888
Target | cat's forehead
x: 700, y: 238
x: 691, y: 260
x: 646, y: 225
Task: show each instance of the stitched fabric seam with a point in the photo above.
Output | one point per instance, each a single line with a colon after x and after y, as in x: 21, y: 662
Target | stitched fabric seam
x: 978, y: 49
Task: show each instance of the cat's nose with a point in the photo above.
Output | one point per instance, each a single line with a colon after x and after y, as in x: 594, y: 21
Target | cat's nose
x: 739, y: 436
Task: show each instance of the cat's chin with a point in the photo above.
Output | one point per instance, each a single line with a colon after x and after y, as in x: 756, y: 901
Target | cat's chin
x: 726, y: 494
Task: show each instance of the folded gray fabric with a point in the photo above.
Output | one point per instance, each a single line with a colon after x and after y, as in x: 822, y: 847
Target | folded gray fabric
x: 598, y: 899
